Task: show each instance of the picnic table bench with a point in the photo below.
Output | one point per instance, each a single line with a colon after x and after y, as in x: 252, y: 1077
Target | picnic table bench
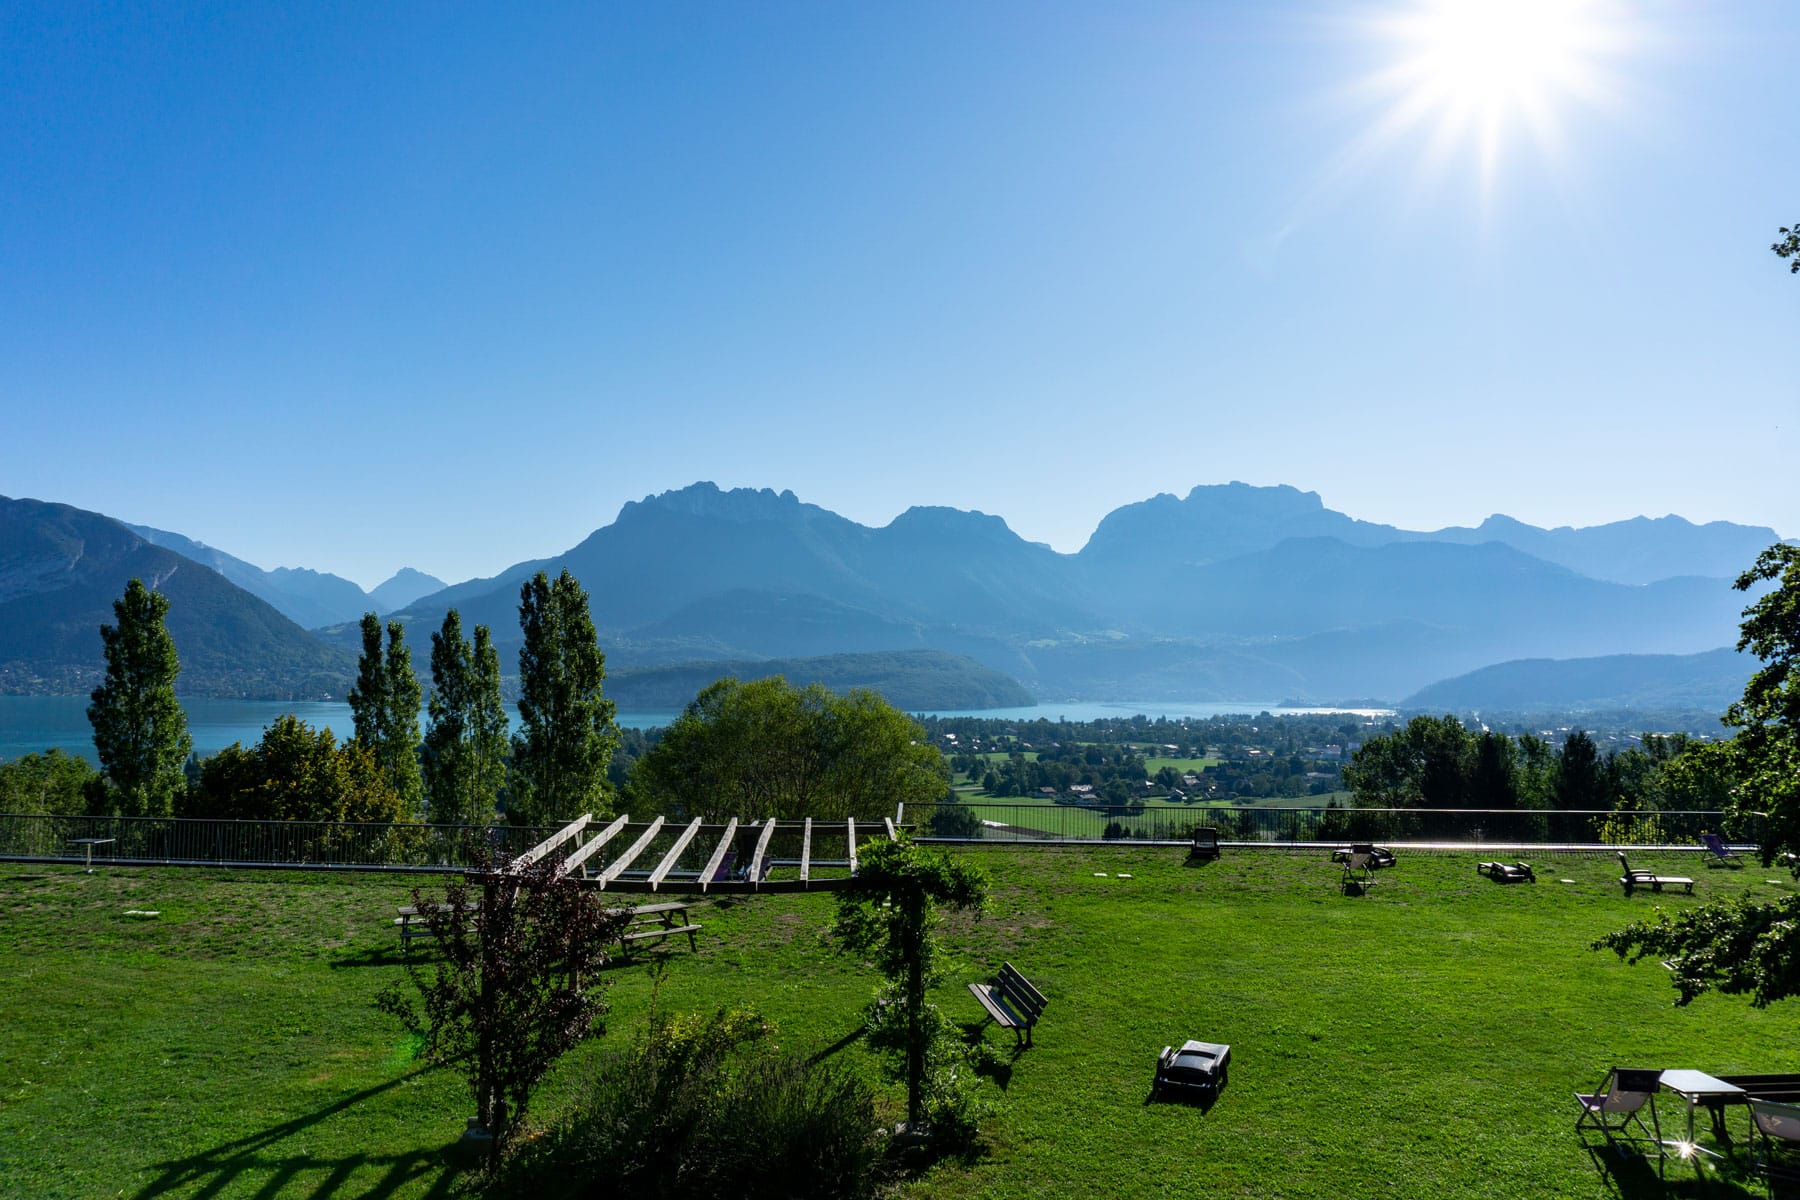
x: 1011, y: 1001
x: 656, y: 921
x: 1784, y: 1088
x: 411, y: 919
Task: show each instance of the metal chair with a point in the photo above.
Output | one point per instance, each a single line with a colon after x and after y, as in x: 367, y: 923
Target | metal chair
x: 1619, y: 1105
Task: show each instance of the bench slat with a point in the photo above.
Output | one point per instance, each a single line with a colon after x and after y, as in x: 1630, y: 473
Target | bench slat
x: 991, y: 1001
x: 658, y: 932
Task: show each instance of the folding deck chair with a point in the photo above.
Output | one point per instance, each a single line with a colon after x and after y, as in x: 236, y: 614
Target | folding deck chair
x: 1359, y: 867
x: 1776, y: 1153
x: 1620, y: 1104
x: 1721, y: 853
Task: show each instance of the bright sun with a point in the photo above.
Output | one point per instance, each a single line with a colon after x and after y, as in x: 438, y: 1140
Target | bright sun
x: 1472, y: 71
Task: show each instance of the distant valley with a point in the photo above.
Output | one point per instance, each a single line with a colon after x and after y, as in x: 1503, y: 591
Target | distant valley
x: 1230, y: 593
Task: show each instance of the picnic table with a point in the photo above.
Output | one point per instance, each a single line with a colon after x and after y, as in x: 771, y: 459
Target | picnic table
x: 658, y: 921
x: 410, y: 919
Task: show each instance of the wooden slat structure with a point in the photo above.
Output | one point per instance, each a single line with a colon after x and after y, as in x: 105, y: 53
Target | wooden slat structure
x: 701, y: 858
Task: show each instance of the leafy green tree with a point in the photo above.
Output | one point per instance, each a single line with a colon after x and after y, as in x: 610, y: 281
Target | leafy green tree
x: 766, y: 748
x: 1580, y: 775
x: 465, y: 744
x: 384, y: 704
x: 1741, y: 947
x: 140, y: 731
x: 1789, y: 248
x: 889, y: 911
x: 295, y: 773
x: 1494, y: 772
x: 51, y: 782
x: 566, y: 733
x: 1427, y: 764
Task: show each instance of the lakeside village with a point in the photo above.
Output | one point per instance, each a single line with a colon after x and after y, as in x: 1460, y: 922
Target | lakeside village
x: 1304, y: 759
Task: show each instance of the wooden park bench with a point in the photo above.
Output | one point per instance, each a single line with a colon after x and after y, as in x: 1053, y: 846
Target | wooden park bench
x: 412, y: 924
x: 1011, y: 1001
x: 656, y: 921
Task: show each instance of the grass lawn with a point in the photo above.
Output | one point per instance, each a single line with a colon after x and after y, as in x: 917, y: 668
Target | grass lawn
x: 1423, y: 1039
x: 1196, y: 765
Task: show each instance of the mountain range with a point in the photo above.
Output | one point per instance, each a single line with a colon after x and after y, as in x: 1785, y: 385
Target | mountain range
x: 307, y: 598
x: 1232, y: 592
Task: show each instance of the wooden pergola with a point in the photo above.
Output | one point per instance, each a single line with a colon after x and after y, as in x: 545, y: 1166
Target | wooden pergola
x: 697, y: 858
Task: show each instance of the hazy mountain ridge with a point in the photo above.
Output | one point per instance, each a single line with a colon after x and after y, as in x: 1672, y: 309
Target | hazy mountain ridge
x: 1221, y: 521
x: 1234, y: 592
x: 1707, y: 681
x: 1244, y: 587
x: 309, y: 598
x: 77, y: 563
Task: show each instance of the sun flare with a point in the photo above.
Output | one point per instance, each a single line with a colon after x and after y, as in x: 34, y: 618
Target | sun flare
x: 1477, y: 72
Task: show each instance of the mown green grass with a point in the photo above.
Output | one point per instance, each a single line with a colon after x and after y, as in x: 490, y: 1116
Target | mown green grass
x: 1423, y: 1039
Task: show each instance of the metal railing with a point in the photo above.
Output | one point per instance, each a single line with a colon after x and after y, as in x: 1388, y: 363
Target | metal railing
x: 1002, y: 822
x: 325, y: 845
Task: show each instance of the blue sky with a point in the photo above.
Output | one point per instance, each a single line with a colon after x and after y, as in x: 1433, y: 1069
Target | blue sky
x: 362, y: 286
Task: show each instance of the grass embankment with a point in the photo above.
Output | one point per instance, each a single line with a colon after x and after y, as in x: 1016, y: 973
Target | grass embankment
x: 1423, y: 1039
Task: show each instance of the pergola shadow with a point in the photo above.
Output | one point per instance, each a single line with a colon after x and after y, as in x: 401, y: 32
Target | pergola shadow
x: 261, y: 1160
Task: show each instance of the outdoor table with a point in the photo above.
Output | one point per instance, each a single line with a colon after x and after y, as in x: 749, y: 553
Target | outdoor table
x: 1696, y: 1087
x: 87, y: 844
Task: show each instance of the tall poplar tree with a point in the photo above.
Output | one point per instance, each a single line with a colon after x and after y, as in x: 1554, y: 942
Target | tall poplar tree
x: 465, y: 745
x: 566, y: 734
x: 384, y: 705
x: 140, y: 731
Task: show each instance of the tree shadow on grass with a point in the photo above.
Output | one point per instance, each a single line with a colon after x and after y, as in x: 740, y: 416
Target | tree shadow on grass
x: 377, y: 956
x: 843, y: 1043
x: 260, y: 1160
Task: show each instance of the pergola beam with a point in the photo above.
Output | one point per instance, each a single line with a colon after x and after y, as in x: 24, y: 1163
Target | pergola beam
x: 552, y: 842
x: 668, y: 862
x: 762, y: 850
x: 644, y: 839
x: 718, y: 855
x: 606, y: 835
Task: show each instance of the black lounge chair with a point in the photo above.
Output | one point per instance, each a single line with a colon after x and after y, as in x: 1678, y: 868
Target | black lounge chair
x: 1499, y: 872
x: 1197, y: 1068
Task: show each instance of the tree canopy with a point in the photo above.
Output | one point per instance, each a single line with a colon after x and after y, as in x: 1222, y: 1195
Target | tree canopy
x: 140, y: 731
x: 566, y: 734
x: 1745, y: 948
x: 465, y: 745
x: 384, y: 704
x: 295, y: 773
x: 767, y: 748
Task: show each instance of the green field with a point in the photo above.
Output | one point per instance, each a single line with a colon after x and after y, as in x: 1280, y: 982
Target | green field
x: 1423, y: 1039
x: 1153, y: 765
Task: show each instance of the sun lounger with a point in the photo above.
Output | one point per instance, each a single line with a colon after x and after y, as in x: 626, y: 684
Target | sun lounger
x: 1633, y: 877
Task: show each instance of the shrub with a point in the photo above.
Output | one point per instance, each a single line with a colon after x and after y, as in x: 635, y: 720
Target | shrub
x: 702, y: 1107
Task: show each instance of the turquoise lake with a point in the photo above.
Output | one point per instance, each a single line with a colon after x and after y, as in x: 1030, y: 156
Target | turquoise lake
x: 34, y: 723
